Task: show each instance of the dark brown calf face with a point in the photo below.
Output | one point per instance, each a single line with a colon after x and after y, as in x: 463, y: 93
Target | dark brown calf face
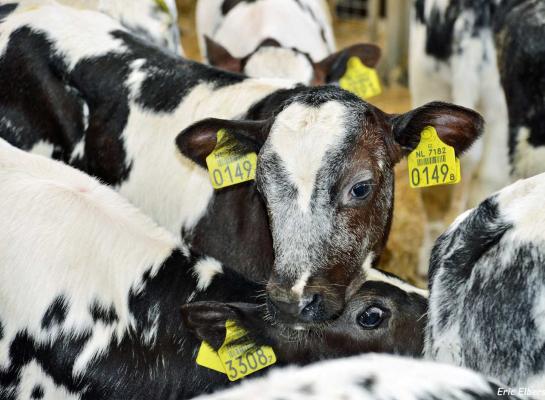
x: 325, y: 173
x: 385, y: 315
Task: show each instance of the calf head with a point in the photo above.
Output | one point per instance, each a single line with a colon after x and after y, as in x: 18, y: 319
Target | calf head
x: 325, y: 173
x: 385, y: 315
x: 271, y: 60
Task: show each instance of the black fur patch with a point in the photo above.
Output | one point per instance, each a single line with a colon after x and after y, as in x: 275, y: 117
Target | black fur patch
x: 56, y: 313
x: 440, y: 25
x: 228, y: 5
x: 368, y: 383
x: 101, y: 313
x: 37, y: 392
x: 36, y: 106
x: 6, y: 9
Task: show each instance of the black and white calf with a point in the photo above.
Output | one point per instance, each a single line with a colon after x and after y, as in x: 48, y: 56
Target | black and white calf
x: 288, y: 39
x: 487, y: 301
x: 91, y: 292
x: 369, y: 377
x: 102, y: 100
x: 453, y: 58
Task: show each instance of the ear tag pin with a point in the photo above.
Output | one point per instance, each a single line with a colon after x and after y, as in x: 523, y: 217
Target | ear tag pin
x: 235, y: 360
x: 433, y: 162
x: 228, y: 164
x: 360, y: 79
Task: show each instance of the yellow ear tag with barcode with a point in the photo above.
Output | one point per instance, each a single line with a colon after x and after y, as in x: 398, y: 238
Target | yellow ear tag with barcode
x: 433, y: 162
x: 360, y: 79
x: 235, y: 360
x: 228, y: 165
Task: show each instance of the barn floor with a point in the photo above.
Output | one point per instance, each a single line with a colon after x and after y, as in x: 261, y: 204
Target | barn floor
x: 401, y: 254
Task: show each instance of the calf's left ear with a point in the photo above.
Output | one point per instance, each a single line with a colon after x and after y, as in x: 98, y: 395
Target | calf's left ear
x: 197, y: 141
x: 333, y: 67
x: 457, y: 126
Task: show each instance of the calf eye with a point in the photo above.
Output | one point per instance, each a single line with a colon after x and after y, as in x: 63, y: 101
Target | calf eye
x: 371, y: 318
x: 361, y: 189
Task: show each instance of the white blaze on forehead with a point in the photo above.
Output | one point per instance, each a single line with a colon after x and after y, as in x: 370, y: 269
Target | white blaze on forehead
x: 301, y: 136
x: 205, y: 270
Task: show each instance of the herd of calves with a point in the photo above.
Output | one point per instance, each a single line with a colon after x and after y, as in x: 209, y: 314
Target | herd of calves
x: 118, y: 258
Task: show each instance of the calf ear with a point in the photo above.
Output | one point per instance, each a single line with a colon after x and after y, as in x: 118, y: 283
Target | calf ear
x: 197, y: 141
x: 206, y: 319
x: 457, y: 126
x: 219, y: 57
x: 333, y: 67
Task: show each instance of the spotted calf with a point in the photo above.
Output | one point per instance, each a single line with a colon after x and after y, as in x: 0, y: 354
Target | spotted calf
x: 369, y: 377
x: 487, y: 302
x: 453, y: 58
x: 288, y: 39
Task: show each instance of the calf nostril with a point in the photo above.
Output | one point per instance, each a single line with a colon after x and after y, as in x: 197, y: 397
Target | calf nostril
x: 313, y: 305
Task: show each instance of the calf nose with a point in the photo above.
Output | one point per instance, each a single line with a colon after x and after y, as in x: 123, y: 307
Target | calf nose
x: 306, y: 309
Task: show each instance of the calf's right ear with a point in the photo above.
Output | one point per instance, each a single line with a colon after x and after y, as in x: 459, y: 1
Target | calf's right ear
x: 456, y: 126
x: 197, y: 141
x: 219, y: 56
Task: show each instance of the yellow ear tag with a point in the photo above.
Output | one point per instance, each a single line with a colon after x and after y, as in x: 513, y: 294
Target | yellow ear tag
x: 433, y: 162
x: 360, y: 79
x: 227, y: 165
x: 163, y: 6
x: 208, y: 358
x: 242, y: 360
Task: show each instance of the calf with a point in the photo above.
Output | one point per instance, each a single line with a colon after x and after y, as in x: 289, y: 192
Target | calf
x: 453, y: 58
x: 91, y: 290
x: 115, y: 107
x: 289, y: 39
x: 369, y: 377
x: 487, y: 283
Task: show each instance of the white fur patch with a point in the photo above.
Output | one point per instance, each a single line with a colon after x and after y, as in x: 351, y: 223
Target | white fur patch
x: 300, y: 284
x: 32, y: 376
x: 205, y: 270
x: 528, y: 159
x: 43, y: 148
x: 301, y: 136
x: 281, y: 63
x: 65, y: 234
x: 376, y: 275
x: 522, y: 204
x: 389, y: 377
